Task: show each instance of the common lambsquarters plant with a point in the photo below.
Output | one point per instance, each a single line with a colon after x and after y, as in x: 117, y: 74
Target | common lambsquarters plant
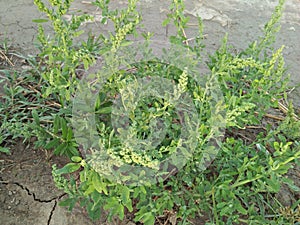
x: 240, y: 184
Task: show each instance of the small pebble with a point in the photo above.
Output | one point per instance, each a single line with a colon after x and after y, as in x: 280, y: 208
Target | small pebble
x: 10, y: 193
x: 292, y: 29
x: 26, y: 67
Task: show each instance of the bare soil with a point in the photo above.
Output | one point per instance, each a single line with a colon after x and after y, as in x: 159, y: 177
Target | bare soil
x: 27, y: 192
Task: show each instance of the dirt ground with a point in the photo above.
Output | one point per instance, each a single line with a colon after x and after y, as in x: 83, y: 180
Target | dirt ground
x: 27, y: 193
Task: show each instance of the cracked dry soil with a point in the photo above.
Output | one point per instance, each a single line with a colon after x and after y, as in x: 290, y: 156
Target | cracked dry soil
x: 27, y: 192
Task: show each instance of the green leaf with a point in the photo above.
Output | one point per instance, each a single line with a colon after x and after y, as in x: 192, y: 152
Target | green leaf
x: 128, y: 205
x: 112, y: 202
x: 51, y: 144
x: 60, y: 150
x: 35, y: 117
x: 166, y: 22
x: 69, y: 168
x: 291, y: 184
x: 125, y: 197
x: 48, y: 91
x: 76, y: 159
x: 221, y: 205
x: 114, y: 207
x: 72, y: 151
x: 282, y: 169
x: 104, y: 20
x: 273, y: 184
x: 175, y: 40
x: 138, y: 191
x: 96, y: 197
x: 78, y: 33
x: 69, y: 134
x: 124, y: 193
x: 104, y: 110
x: 40, y: 20
x: 147, y: 218
x: 98, y: 184
x: 68, y: 202
x: 83, y: 175
x: 126, y: 43
x: 89, y: 190
x: 240, y: 208
x: 4, y: 150
x: 56, y: 124
x: 64, y: 128
x: 94, y: 213
x: 120, y: 210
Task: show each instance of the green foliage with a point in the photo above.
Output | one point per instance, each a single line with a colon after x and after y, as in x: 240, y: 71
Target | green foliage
x: 3, y: 149
x: 63, y: 58
x: 178, y: 18
x: 240, y: 184
x: 59, y: 136
x: 291, y: 124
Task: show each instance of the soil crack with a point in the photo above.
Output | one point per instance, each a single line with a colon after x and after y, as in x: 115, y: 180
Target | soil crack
x: 51, y: 213
x: 32, y: 193
x: 35, y: 198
